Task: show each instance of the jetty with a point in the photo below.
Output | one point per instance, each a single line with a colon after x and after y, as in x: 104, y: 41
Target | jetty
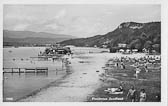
x: 26, y: 70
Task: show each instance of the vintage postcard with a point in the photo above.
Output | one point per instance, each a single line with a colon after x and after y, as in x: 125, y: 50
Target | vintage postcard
x: 83, y: 52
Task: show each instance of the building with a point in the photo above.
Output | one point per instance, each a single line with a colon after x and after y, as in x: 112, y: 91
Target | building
x: 104, y: 46
x: 122, y: 45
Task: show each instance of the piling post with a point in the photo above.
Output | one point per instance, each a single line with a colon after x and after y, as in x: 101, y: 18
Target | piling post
x: 12, y: 70
x: 19, y: 71
x: 47, y: 71
x: 56, y: 71
x: 62, y: 63
x: 35, y: 70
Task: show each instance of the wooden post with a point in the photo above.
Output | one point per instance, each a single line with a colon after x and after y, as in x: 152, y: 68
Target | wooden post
x: 47, y: 71
x: 12, y: 70
x: 25, y: 70
x: 56, y: 71
x: 62, y: 64
x: 19, y: 71
x: 35, y: 70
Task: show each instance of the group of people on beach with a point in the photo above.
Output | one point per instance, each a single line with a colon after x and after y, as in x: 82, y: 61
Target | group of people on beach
x: 138, y: 63
x: 132, y: 95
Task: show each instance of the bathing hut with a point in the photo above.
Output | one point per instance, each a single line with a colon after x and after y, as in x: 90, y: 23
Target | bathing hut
x: 135, y: 50
x: 121, y: 50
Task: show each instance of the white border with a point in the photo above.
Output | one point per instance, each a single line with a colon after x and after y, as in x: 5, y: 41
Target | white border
x: 164, y: 34
x: 82, y: 1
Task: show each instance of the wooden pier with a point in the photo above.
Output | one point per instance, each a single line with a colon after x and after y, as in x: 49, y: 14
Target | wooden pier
x: 26, y: 70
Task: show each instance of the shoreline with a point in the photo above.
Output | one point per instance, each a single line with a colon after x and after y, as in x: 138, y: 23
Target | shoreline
x: 80, y: 81
x: 125, y: 77
x: 81, y: 84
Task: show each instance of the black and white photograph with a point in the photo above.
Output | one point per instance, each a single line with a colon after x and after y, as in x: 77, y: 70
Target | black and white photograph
x: 82, y: 53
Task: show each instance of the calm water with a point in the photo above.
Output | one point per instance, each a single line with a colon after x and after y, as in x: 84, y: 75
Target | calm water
x: 17, y: 85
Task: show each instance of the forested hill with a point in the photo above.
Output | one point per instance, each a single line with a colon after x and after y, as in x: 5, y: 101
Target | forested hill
x: 135, y: 35
x: 27, y: 38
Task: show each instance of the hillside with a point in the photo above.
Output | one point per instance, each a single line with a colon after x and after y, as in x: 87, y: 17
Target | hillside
x: 135, y: 35
x: 21, y: 38
x: 28, y: 34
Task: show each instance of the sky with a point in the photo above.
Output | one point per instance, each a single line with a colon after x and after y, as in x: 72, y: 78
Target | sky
x: 80, y: 20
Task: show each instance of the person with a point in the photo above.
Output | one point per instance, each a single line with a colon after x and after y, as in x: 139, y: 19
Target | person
x: 131, y: 96
x: 119, y: 89
x: 137, y: 71
x: 122, y: 65
x: 142, y: 95
x: 146, y: 67
x: 117, y: 64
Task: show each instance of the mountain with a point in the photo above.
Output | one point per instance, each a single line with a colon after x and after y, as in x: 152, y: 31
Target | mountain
x: 25, y: 34
x: 29, y: 37
x: 135, y: 35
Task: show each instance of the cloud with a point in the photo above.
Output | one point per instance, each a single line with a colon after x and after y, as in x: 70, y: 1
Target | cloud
x: 60, y: 14
x: 18, y: 22
x: 86, y: 26
x: 20, y: 27
x: 19, y: 17
x: 76, y: 20
x: 52, y: 25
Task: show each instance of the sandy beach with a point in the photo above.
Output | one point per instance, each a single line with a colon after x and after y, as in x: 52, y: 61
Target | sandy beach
x: 78, y: 85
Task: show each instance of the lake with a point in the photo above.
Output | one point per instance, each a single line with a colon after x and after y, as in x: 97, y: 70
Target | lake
x: 16, y: 86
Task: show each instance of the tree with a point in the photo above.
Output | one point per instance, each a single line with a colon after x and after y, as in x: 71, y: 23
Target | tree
x: 157, y: 47
x: 136, y: 44
x: 148, y: 45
